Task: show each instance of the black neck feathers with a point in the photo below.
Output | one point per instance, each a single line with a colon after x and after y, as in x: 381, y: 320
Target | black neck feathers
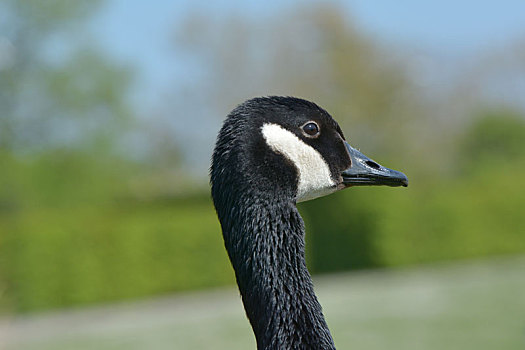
x: 264, y: 236
x: 265, y: 243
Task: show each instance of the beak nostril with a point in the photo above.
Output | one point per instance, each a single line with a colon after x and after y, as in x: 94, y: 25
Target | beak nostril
x: 373, y: 164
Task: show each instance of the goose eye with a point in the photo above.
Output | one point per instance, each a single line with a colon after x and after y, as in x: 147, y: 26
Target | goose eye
x: 311, y: 129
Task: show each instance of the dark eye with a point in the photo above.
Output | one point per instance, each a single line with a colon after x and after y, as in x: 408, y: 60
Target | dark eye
x: 311, y: 129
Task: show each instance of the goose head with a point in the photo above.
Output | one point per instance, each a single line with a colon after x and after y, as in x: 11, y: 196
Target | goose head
x: 290, y: 147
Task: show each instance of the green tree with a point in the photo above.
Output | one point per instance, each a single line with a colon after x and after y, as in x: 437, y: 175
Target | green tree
x: 55, y: 92
x: 313, y: 52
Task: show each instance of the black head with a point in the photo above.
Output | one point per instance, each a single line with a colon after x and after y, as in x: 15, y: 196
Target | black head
x: 288, y: 148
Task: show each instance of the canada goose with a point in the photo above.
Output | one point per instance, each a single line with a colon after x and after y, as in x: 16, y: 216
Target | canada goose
x: 271, y: 153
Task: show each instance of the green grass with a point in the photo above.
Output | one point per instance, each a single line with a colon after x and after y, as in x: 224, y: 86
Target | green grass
x: 476, y: 304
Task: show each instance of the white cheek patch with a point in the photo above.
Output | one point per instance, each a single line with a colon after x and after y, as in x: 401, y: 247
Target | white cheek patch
x: 315, y: 179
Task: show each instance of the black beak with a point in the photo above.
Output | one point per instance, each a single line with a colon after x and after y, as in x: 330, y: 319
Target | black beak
x: 365, y: 172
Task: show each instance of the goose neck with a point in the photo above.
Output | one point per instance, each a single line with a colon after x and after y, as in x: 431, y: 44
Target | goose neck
x: 266, y: 247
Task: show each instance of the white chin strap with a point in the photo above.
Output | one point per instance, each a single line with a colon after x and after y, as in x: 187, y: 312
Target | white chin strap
x: 315, y: 179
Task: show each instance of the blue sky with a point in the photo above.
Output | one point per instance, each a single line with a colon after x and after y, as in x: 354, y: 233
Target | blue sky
x: 442, y: 25
x: 138, y: 32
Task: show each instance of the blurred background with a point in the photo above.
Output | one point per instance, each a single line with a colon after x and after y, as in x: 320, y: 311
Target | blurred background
x: 108, y: 115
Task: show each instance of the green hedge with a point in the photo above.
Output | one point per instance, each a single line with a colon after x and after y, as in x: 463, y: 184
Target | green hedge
x: 71, y: 234
x: 79, y: 255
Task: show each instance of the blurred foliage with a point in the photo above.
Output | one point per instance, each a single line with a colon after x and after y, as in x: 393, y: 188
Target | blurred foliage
x: 496, y: 137
x: 81, y: 223
x: 83, y: 243
x: 52, y: 94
